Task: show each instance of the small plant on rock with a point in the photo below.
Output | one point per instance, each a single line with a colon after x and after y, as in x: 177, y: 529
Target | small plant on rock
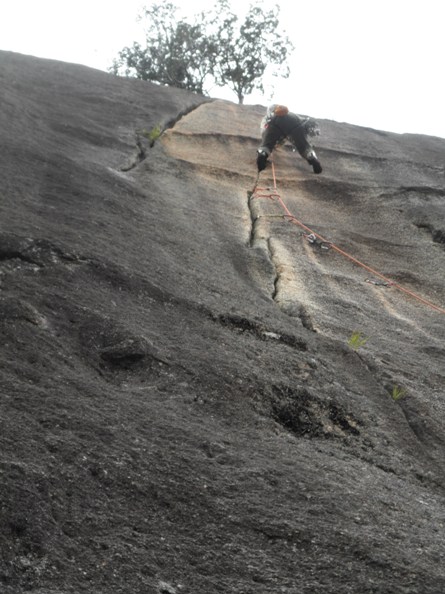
x: 398, y: 393
x: 357, y: 340
x: 153, y: 134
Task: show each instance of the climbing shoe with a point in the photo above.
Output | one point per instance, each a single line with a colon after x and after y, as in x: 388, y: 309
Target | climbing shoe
x: 316, y: 165
x: 261, y: 160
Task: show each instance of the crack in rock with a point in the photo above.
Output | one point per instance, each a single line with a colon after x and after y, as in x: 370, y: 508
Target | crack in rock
x: 36, y: 252
x: 145, y: 140
x: 242, y: 324
x: 138, y: 156
x: 12, y: 308
x: 438, y: 235
x: 259, y: 237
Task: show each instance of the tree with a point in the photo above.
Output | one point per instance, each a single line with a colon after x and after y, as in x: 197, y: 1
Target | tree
x: 247, y: 50
x: 215, y: 49
x: 177, y: 53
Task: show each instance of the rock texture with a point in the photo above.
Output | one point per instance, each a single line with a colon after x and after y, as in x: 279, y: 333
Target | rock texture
x: 181, y: 408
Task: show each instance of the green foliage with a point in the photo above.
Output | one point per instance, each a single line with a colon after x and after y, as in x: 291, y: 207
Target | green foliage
x: 398, y: 393
x: 246, y: 50
x: 215, y: 49
x: 153, y: 134
x: 357, y: 340
x: 175, y: 53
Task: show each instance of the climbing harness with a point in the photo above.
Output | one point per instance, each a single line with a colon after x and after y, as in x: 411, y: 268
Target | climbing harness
x: 316, y: 239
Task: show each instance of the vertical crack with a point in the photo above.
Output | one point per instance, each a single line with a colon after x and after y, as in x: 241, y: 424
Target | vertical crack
x: 137, y: 157
x: 259, y: 237
x: 253, y: 219
x: 277, y: 276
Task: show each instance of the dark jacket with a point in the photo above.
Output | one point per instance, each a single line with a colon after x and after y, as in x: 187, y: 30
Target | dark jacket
x: 291, y: 127
x: 284, y: 127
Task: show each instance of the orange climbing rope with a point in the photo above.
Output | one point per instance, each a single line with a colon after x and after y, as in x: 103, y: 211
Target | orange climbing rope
x: 274, y: 194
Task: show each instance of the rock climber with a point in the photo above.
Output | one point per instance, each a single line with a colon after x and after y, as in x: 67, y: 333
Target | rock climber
x: 278, y: 125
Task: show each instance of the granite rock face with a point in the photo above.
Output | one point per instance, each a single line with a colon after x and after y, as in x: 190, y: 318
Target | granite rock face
x: 183, y: 409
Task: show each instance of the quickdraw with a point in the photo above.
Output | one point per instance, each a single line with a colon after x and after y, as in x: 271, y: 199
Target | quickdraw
x: 313, y: 240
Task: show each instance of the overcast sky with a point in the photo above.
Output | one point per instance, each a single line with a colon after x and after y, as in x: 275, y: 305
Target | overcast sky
x: 374, y: 63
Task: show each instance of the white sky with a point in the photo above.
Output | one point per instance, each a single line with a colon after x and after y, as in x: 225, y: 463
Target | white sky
x: 374, y: 63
